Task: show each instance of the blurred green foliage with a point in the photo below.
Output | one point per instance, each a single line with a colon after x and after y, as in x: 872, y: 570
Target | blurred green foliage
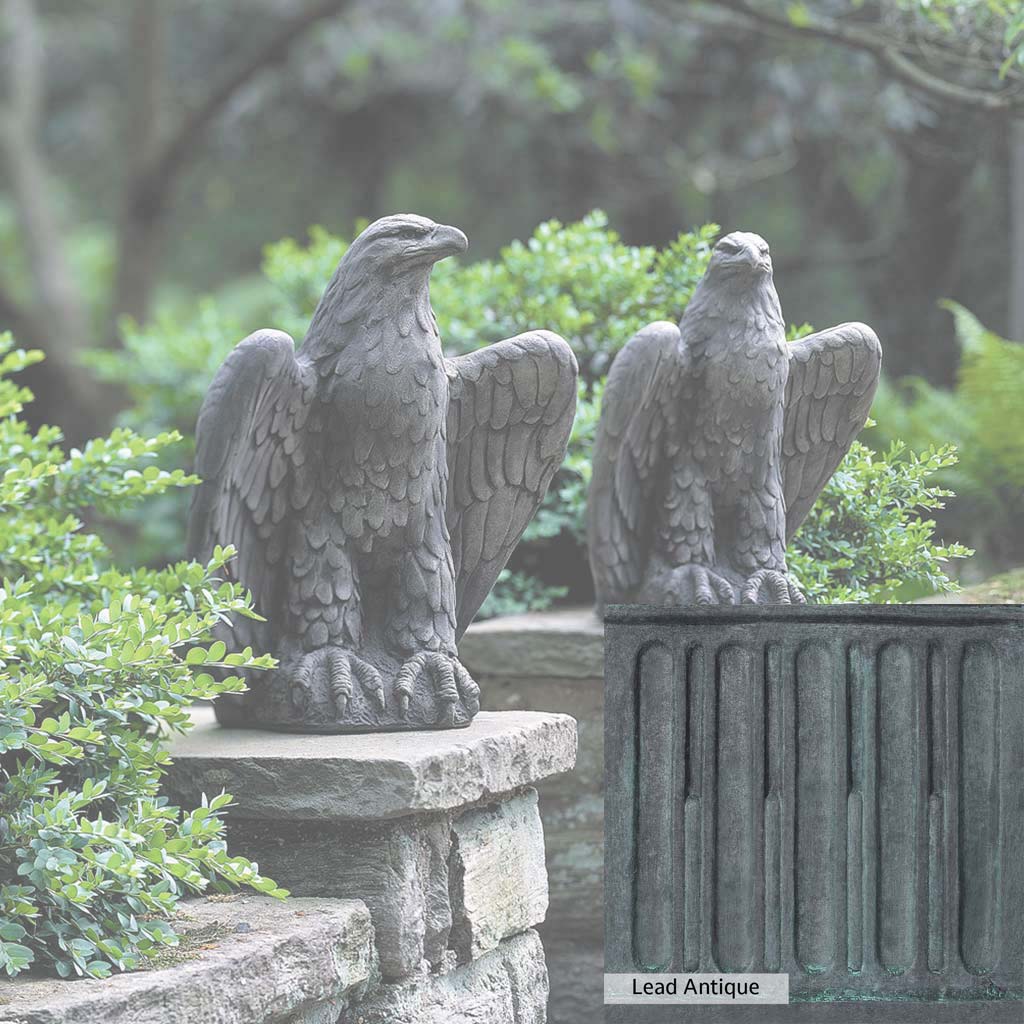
x: 494, y: 115
x: 96, y: 666
x: 983, y: 415
x: 582, y: 281
x: 579, y: 280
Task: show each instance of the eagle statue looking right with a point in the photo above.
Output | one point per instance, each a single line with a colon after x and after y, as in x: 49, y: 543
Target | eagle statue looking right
x: 715, y: 439
x: 374, y: 490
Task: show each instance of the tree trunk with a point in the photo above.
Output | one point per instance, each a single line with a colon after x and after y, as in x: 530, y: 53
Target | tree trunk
x: 140, y: 230
x: 57, y: 321
x: 919, y: 270
x: 1016, y: 312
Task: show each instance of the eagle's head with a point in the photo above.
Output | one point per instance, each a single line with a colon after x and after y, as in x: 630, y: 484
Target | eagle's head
x: 405, y: 243
x: 384, y: 276
x: 737, y: 284
x: 741, y: 253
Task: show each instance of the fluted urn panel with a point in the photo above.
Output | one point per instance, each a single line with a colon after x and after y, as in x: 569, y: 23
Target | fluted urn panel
x: 837, y: 793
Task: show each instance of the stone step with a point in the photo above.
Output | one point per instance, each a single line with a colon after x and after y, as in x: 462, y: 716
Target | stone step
x: 242, y: 960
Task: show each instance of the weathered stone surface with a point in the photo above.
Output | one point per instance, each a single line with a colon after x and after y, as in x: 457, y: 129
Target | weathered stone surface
x: 846, y: 782
x: 262, y: 962
x: 283, y: 777
x: 399, y: 869
x: 498, y: 879
x: 571, y: 804
x: 370, y: 817
x: 505, y: 986
x: 485, y: 868
x: 564, y: 644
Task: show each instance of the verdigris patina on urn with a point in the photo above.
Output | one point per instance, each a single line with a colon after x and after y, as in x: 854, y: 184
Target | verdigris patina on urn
x: 831, y: 792
x: 374, y: 490
x: 715, y: 439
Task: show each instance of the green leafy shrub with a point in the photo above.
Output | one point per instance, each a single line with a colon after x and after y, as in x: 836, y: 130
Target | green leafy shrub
x: 582, y: 281
x: 96, y: 666
x: 579, y: 280
x: 864, y: 541
x: 984, y: 417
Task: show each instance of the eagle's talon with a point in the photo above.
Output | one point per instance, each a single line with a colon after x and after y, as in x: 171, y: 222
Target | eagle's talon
x: 450, y: 681
x: 779, y: 586
x: 692, y: 583
x: 337, y: 668
x: 467, y: 687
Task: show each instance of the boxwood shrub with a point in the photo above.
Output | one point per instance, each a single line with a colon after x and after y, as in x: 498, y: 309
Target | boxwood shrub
x: 97, y: 665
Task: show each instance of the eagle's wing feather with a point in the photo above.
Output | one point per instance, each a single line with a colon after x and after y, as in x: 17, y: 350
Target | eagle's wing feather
x: 510, y: 413
x: 626, y: 456
x: 248, y: 452
x: 832, y: 380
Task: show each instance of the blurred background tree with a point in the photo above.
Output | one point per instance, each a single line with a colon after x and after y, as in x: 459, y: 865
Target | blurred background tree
x: 150, y: 149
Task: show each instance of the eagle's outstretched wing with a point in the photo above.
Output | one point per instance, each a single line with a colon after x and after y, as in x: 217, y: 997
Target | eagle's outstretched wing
x: 249, y: 454
x: 626, y: 456
x: 510, y: 414
x: 832, y: 379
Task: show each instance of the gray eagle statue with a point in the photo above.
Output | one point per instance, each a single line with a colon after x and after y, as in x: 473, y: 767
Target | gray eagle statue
x: 374, y: 490
x: 715, y: 439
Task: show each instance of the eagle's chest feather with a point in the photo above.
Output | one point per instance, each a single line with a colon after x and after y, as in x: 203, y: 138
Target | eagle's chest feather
x: 747, y: 360
x: 385, y: 410
x: 741, y: 370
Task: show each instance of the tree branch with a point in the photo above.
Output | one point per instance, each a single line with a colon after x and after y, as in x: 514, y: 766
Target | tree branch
x: 154, y: 167
x: 886, y: 51
x: 152, y: 187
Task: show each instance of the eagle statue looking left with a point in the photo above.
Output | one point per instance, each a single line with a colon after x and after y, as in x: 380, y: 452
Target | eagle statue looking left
x: 373, y: 490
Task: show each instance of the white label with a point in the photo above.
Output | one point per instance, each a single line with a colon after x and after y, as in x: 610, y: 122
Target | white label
x: 696, y: 988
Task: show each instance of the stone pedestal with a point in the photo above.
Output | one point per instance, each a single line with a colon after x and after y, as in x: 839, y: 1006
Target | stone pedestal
x: 830, y: 792
x: 438, y: 834
x: 554, y: 661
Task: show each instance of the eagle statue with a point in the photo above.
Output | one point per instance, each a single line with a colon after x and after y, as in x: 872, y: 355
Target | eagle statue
x: 373, y: 491
x: 716, y: 437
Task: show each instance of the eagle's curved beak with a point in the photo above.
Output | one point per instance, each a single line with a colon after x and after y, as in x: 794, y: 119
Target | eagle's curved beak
x: 445, y: 240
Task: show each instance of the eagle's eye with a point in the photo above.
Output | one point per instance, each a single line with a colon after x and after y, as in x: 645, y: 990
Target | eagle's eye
x: 729, y: 248
x: 409, y: 232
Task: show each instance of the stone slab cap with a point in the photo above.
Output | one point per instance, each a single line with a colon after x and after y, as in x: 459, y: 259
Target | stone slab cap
x: 260, y: 961
x: 566, y: 643
x: 370, y: 776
